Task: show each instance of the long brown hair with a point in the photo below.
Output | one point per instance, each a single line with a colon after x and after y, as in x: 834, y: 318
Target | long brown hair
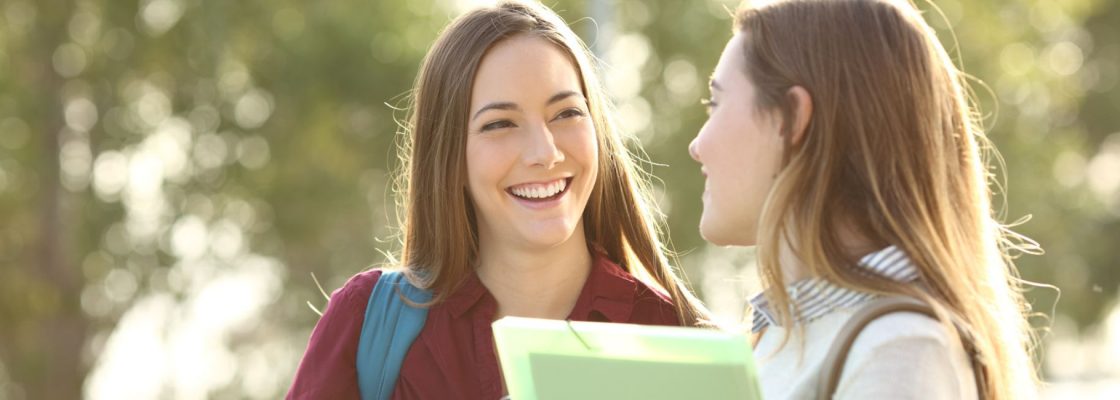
x: 439, y: 230
x: 894, y: 148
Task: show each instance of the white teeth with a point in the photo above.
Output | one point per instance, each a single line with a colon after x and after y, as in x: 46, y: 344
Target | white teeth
x: 540, y: 191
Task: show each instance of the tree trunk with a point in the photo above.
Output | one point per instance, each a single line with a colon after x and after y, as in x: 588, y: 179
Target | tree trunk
x: 59, y: 325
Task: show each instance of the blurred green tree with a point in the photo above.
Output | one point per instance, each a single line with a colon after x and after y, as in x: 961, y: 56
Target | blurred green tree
x: 179, y: 169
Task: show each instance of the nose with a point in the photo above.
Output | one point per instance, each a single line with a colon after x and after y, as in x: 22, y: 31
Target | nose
x: 541, y: 148
x: 692, y: 148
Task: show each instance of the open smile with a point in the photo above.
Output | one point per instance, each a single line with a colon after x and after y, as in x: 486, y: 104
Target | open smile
x: 540, y: 192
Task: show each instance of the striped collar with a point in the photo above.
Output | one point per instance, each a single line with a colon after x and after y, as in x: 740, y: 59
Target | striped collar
x: 815, y: 297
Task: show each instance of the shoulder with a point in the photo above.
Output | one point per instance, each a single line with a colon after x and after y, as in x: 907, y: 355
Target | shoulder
x: 361, y: 282
x: 327, y: 369
x: 907, y: 354
x: 354, y: 294
x: 906, y: 335
x: 647, y: 293
x: 625, y: 298
x: 905, y: 327
x: 655, y: 304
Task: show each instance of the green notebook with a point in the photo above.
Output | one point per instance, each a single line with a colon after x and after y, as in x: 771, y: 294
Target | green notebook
x: 551, y: 359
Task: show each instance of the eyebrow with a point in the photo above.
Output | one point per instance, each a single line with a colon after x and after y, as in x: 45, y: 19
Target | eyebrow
x: 561, y: 96
x: 505, y: 105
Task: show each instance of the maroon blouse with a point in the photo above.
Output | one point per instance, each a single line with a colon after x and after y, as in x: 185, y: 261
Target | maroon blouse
x: 454, y: 357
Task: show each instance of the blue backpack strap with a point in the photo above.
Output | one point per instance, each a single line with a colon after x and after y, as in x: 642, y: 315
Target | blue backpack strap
x: 390, y: 327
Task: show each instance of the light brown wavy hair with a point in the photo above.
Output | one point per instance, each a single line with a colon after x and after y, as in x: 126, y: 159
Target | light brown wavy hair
x: 893, y: 147
x: 438, y: 226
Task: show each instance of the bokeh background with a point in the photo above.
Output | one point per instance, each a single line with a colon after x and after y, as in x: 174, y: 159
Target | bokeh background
x: 176, y: 175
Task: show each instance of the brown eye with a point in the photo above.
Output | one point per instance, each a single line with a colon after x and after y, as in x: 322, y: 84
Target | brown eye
x: 497, y: 125
x: 570, y: 113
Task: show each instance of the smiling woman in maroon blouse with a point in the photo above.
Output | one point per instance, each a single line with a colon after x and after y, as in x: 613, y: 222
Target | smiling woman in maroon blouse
x: 519, y: 199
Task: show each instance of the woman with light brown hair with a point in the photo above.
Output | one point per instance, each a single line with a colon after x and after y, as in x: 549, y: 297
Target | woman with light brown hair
x: 518, y: 198
x: 841, y: 142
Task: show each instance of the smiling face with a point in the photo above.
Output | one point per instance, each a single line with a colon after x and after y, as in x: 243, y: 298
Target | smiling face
x: 739, y: 149
x: 531, y: 146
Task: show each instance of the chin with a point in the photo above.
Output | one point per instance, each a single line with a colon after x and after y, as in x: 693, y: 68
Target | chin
x: 715, y: 240
x: 725, y: 237
x: 551, y: 236
x: 710, y: 237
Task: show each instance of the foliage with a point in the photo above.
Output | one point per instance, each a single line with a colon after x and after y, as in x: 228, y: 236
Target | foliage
x: 172, y: 172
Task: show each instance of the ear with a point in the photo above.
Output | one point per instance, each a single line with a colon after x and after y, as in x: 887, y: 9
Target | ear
x: 802, y: 113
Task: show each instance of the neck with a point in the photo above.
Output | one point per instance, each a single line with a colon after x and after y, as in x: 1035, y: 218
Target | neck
x: 853, y: 244
x: 793, y: 269
x: 535, y: 282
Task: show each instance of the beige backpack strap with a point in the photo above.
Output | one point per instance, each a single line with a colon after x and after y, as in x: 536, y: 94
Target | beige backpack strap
x: 838, y: 353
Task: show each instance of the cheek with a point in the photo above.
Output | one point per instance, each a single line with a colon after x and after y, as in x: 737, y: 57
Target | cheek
x: 762, y: 169
x: 740, y: 154
x: 729, y: 147
x: 581, y: 144
x: 484, y: 164
x: 473, y: 160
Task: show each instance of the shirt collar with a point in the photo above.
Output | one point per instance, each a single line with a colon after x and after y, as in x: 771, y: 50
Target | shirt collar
x: 609, y: 291
x: 813, y: 298
x: 469, y: 293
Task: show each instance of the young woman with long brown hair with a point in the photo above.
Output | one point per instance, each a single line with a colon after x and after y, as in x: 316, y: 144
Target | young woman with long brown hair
x: 841, y: 141
x: 519, y: 198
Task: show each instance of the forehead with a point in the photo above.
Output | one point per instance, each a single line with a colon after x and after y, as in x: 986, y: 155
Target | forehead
x: 523, y: 68
x: 730, y: 69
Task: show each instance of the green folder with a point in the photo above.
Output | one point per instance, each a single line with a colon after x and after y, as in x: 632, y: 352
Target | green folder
x: 553, y: 359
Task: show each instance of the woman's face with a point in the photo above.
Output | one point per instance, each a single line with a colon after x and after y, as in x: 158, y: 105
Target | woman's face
x: 739, y: 149
x: 532, y: 155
